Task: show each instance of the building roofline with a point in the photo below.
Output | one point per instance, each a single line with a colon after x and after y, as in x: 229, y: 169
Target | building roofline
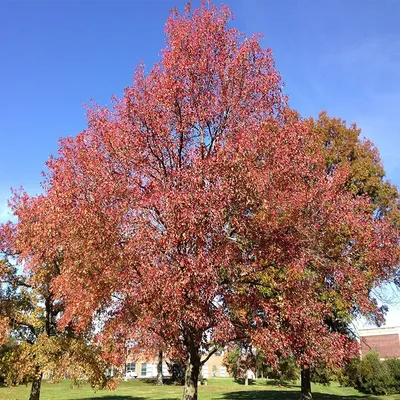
x: 379, y: 331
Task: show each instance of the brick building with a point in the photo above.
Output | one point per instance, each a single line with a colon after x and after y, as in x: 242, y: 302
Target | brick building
x: 385, y: 341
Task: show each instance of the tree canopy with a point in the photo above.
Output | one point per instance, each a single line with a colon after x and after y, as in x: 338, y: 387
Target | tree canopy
x: 32, y: 344
x: 198, y: 210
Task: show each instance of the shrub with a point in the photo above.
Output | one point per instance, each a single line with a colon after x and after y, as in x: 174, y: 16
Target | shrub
x: 177, y: 371
x: 394, y: 368
x: 287, y: 370
x: 349, y: 376
x: 375, y: 376
x: 323, y: 374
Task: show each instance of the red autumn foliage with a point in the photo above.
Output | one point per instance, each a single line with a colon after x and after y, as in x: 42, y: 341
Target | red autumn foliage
x: 197, y: 211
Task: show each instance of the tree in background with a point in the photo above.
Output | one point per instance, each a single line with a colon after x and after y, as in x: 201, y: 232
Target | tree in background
x: 33, y: 343
x: 344, y: 148
x: 198, y: 210
x: 239, y: 360
x: 286, y: 370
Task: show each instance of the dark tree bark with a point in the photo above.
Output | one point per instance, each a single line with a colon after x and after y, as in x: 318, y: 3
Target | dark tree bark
x: 305, y: 384
x: 36, y: 384
x: 193, y: 366
x: 159, y: 368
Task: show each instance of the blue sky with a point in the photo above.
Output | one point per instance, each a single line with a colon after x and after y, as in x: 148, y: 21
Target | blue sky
x: 339, y: 55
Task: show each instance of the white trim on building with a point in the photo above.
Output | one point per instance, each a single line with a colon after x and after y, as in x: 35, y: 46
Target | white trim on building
x: 379, y: 331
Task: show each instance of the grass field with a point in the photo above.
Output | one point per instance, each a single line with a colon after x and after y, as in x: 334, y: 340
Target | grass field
x: 221, y: 389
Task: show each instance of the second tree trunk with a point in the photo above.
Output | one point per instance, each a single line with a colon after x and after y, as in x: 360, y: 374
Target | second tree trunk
x: 305, y: 384
x: 36, y: 384
x: 159, y: 368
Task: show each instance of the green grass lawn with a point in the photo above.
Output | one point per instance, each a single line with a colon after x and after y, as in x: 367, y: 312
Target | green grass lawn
x: 222, y: 389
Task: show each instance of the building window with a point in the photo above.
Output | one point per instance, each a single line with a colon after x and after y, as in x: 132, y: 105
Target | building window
x: 144, y: 369
x: 130, y: 367
x: 223, y: 371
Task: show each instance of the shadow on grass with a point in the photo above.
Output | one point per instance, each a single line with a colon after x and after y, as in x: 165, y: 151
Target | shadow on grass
x: 283, y: 395
x: 118, y: 397
x: 269, y: 382
x: 241, y: 381
x: 166, y: 381
x: 114, y: 398
x: 283, y: 384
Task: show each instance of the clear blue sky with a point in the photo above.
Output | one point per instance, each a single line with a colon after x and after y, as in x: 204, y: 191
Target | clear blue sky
x: 338, y: 55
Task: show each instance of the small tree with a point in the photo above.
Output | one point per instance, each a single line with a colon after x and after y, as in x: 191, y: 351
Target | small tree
x: 34, y: 344
x: 239, y: 360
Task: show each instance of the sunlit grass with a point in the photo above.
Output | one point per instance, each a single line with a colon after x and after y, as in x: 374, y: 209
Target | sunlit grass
x: 221, y: 389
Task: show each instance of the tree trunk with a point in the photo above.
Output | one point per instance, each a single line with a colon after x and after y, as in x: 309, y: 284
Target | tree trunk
x: 305, y: 384
x: 159, y: 368
x: 192, y: 375
x: 36, y: 384
x: 246, y: 380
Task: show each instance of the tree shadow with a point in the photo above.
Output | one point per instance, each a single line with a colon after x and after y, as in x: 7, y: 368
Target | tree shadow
x: 119, y: 397
x: 166, y: 381
x: 283, y: 384
x: 286, y: 395
x: 325, y: 396
x: 241, y: 381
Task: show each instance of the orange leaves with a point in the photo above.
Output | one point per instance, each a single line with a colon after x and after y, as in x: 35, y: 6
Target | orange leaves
x: 4, y: 330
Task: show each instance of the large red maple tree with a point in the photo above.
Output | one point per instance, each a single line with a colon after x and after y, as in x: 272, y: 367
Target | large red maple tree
x: 197, y: 211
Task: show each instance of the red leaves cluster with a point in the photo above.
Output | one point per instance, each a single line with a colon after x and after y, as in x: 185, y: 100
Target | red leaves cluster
x: 198, y: 209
